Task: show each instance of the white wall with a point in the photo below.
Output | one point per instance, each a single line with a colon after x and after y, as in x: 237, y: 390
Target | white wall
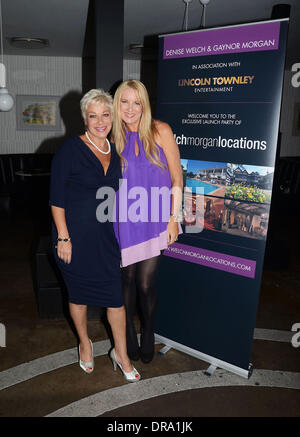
x: 36, y: 75
x: 290, y: 145
x: 131, y: 69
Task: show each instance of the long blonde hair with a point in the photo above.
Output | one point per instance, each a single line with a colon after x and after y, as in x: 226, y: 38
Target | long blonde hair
x: 147, y: 128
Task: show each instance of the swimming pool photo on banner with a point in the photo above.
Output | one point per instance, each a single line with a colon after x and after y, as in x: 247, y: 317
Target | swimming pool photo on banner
x: 211, y: 176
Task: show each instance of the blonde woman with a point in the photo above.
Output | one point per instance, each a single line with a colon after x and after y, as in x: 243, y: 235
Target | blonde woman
x: 150, y: 161
x: 85, y: 249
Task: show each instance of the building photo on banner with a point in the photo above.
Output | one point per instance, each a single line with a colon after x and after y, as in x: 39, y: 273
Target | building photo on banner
x: 228, y: 190
x: 183, y: 111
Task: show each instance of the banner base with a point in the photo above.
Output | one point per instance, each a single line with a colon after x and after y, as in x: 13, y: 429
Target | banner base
x: 211, y: 370
x: 215, y: 362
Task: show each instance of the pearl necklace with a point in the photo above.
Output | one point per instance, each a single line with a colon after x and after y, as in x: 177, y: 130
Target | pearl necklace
x: 105, y: 153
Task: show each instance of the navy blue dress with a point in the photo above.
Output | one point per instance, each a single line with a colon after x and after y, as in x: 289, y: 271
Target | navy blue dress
x: 93, y: 277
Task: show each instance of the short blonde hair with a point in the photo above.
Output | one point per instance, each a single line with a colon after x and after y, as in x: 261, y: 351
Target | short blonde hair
x: 95, y: 96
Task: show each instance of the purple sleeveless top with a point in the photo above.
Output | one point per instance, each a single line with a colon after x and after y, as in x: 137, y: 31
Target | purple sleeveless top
x: 143, y: 204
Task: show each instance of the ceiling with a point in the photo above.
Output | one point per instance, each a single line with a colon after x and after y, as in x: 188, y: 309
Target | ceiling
x: 63, y: 22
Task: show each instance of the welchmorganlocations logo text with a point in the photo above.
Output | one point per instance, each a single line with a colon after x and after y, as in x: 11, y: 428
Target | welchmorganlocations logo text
x: 235, y: 143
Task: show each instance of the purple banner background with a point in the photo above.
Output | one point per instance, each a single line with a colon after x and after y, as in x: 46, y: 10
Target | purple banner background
x: 176, y: 251
x: 234, y: 35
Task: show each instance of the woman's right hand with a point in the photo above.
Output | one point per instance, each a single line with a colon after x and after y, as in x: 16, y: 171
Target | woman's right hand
x: 64, y: 251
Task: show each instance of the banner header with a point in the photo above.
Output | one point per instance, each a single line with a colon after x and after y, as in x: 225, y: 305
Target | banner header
x: 251, y: 38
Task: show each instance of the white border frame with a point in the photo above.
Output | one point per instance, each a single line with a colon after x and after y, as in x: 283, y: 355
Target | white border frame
x: 30, y: 99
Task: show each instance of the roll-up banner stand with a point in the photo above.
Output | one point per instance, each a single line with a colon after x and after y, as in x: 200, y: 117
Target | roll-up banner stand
x: 220, y: 90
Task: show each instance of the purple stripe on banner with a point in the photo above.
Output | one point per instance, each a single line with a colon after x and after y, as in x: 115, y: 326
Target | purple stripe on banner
x: 246, y: 38
x: 215, y: 260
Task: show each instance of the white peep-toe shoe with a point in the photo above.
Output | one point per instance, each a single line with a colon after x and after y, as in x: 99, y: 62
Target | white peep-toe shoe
x: 132, y: 376
x: 87, y: 366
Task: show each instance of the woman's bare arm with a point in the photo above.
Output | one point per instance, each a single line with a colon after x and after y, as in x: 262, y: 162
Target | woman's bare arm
x: 165, y: 139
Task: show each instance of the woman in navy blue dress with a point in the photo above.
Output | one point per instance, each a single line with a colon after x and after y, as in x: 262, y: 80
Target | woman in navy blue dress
x: 86, y: 249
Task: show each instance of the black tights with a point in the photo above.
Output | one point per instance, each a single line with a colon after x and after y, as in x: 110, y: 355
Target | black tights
x: 138, y: 281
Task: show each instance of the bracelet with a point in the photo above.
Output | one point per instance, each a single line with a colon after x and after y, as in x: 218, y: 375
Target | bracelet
x: 178, y: 218
x: 64, y: 239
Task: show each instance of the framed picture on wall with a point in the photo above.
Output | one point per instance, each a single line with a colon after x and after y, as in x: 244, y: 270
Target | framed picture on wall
x: 296, y: 121
x: 40, y: 113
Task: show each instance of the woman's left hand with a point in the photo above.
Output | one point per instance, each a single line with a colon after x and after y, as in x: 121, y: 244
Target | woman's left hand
x: 172, y: 231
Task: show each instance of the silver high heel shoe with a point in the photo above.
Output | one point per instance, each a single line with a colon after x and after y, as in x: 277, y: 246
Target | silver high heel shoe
x: 87, y: 366
x: 132, y: 376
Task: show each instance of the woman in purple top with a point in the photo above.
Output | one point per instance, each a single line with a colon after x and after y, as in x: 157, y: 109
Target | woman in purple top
x: 148, y: 205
